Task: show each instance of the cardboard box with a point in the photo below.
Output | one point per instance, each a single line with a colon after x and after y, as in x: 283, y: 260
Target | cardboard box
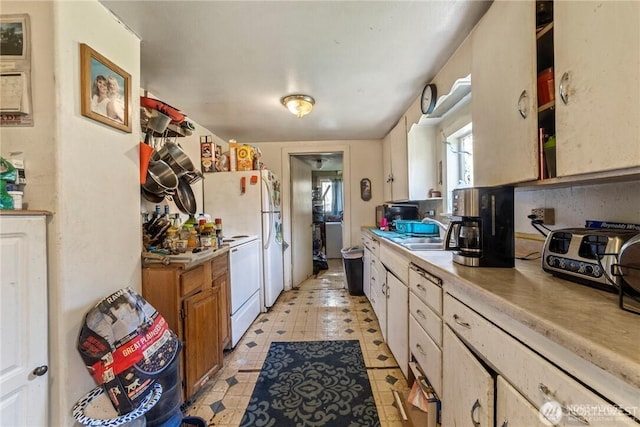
x: 233, y: 159
x: 207, y: 150
x: 244, y: 156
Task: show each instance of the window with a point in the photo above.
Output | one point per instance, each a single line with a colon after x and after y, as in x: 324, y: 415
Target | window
x: 459, y: 160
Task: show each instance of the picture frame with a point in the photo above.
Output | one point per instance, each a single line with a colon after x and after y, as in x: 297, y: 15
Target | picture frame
x: 365, y: 189
x: 15, y: 37
x: 105, y: 90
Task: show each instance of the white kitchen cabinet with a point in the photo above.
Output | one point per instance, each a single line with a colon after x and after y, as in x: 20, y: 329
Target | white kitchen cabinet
x: 597, y: 46
x: 468, y: 388
x: 24, y: 376
x: 397, y: 321
x: 394, y: 163
x: 379, y: 294
x: 512, y: 409
x: 421, y: 161
x: 505, y: 123
x: 366, y: 273
x: 540, y: 383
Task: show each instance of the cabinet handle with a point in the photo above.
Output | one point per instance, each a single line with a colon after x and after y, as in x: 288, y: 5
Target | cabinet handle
x: 505, y: 423
x: 475, y: 407
x: 419, y: 347
x: 460, y: 322
x: 421, y: 314
x: 523, y: 107
x: 384, y: 285
x: 422, y: 288
x: 563, y: 88
x: 390, y: 178
x: 567, y: 411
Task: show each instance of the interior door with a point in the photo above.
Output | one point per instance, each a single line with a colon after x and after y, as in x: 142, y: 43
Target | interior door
x: 23, y: 332
x: 301, y: 222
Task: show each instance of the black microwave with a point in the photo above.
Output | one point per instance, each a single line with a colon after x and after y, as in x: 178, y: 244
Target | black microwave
x: 393, y: 211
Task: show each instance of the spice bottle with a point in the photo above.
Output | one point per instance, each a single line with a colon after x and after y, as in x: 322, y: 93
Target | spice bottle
x: 206, y: 236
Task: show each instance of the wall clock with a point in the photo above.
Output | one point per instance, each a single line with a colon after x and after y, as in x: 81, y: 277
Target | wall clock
x: 428, y: 100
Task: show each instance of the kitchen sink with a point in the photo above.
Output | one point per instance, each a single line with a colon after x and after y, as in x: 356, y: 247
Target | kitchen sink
x: 420, y: 243
x: 424, y: 246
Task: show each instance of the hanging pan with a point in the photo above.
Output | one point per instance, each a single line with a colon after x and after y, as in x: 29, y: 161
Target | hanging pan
x: 184, y: 198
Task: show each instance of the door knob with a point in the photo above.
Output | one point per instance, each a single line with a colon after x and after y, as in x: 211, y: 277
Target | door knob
x: 40, y: 370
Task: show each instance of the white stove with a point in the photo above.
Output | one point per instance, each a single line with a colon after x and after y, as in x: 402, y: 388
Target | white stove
x: 238, y: 240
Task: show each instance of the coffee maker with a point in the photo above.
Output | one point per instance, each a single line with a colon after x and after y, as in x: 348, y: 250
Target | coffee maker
x: 481, y: 229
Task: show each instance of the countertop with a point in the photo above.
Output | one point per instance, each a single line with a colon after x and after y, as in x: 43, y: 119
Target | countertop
x: 187, y: 259
x: 583, y: 320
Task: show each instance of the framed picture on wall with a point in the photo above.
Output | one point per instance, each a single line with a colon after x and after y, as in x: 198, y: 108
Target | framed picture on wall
x: 14, y: 37
x: 105, y: 90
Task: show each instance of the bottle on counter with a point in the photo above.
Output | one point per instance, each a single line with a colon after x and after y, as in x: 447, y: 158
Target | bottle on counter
x: 219, y: 235
x: 192, y: 240
x: 207, y: 236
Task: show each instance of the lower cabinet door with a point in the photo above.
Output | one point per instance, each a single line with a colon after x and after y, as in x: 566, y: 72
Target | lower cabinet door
x: 468, y: 388
x: 512, y: 409
x: 397, y: 321
x: 202, y: 353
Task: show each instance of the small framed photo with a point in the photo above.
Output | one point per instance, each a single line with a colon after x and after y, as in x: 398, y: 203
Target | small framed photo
x: 14, y: 37
x: 105, y: 90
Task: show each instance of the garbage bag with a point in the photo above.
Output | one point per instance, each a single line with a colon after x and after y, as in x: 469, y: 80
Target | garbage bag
x: 126, y: 344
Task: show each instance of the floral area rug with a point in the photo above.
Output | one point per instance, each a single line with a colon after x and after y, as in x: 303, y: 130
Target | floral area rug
x: 312, y: 383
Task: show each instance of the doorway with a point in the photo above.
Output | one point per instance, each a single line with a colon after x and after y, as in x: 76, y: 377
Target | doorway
x: 312, y: 175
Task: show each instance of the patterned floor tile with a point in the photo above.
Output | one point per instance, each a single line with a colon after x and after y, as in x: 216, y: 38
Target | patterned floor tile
x: 320, y: 309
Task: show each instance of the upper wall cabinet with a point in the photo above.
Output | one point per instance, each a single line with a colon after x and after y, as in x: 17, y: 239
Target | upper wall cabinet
x: 597, y: 80
x: 503, y: 104
x: 596, y: 88
x: 394, y: 163
x: 421, y: 160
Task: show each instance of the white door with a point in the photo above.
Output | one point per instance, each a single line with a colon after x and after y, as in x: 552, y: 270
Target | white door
x: 301, y: 222
x: 24, y: 379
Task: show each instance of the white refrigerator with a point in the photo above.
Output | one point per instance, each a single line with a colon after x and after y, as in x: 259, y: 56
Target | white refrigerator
x: 249, y: 203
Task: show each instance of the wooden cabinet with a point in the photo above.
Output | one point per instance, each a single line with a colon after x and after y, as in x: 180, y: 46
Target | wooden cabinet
x: 194, y: 299
x: 504, y: 102
x: 394, y: 163
x: 468, y: 396
x: 598, y: 127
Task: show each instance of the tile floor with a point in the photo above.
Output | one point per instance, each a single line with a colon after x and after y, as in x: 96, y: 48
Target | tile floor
x: 320, y: 309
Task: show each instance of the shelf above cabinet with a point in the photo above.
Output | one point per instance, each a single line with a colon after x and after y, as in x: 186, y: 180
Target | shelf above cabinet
x: 460, y: 89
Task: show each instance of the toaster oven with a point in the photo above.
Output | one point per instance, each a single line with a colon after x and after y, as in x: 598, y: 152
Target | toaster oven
x: 585, y: 255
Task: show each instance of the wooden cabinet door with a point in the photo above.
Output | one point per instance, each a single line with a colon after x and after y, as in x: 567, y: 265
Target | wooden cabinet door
x: 224, y: 318
x: 503, y: 69
x: 399, y: 161
x: 468, y: 388
x: 598, y: 47
x: 398, y: 321
x: 202, y: 351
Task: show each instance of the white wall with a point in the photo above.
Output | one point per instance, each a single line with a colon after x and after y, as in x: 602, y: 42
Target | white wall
x: 85, y: 173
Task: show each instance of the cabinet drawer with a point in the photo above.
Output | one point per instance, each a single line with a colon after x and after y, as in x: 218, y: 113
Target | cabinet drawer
x: 427, y: 354
x: 422, y: 285
x: 219, y: 265
x: 426, y: 318
x: 371, y: 244
x: 192, y: 280
x: 395, y: 263
x: 541, y: 381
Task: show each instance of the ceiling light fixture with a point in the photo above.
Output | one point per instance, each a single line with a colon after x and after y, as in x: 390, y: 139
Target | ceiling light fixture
x: 300, y: 105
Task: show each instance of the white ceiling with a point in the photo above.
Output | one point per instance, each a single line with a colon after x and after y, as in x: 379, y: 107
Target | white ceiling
x: 226, y: 64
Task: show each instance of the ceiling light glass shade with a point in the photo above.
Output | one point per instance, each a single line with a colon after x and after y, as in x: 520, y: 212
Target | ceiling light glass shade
x: 300, y: 105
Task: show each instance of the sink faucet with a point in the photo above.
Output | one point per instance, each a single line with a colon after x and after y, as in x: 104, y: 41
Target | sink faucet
x: 427, y: 220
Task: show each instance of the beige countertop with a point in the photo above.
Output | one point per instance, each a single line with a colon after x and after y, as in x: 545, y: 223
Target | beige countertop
x: 583, y: 320
x: 187, y: 259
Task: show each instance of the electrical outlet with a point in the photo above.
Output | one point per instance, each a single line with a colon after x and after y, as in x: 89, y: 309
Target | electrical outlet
x: 546, y: 215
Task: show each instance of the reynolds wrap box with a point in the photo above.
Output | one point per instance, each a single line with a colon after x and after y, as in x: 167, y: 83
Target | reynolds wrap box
x: 207, y: 152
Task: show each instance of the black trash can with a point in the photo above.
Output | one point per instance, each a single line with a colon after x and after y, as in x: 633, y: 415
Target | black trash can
x: 352, y: 258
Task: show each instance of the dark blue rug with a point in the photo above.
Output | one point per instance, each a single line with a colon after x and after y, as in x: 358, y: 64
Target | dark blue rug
x: 312, y: 383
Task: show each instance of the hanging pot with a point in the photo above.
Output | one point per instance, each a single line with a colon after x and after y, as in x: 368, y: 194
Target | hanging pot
x: 175, y: 157
x: 184, y: 198
x: 152, y: 197
x: 161, y: 179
